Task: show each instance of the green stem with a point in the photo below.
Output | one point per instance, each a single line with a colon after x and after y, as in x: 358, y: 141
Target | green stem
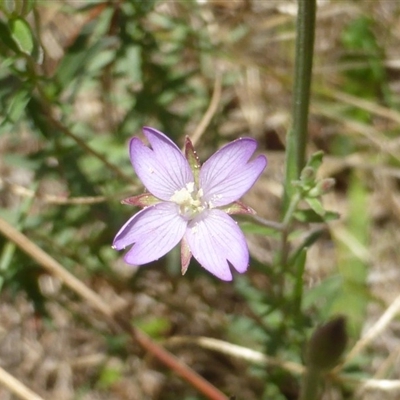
x: 310, y: 385
x: 284, y: 247
x: 294, y: 201
x: 297, y: 135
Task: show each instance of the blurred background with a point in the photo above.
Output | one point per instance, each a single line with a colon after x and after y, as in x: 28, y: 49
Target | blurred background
x: 78, y: 79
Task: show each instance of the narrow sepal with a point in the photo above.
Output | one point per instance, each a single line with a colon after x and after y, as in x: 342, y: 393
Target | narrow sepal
x: 142, y: 200
x: 186, y: 256
x: 238, y: 208
x: 193, y: 159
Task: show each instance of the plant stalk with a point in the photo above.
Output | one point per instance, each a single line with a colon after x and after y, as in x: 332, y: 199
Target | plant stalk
x: 297, y: 135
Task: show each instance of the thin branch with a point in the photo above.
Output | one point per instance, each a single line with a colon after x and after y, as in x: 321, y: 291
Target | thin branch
x: 81, y: 143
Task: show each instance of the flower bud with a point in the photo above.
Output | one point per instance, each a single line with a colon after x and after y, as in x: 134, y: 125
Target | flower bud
x: 327, y: 344
x: 308, y: 175
x: 322, y: 187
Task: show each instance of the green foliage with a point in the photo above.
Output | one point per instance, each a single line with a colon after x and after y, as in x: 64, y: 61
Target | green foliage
x: 362, y: 45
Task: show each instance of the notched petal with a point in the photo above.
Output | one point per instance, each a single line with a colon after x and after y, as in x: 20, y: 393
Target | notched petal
x: 229, y: 173
x: 162, y: 168
x: 153, y: 232
x: 217, y: 243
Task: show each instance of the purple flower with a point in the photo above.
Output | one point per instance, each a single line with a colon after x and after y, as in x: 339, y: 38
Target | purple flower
x: 190, y: 204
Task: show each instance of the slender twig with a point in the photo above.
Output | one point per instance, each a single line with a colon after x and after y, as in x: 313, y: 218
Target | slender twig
x: 212, y: 108
x: 391, y: 312
x: 81, y: 143
x: 16, y: 387
x: 48, y: 110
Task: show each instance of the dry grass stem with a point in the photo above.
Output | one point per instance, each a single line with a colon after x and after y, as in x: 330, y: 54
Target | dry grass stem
x: 366, y: 105
x: 16, y: 387
x: 391, y: 312
x: 211, y: 110
x: 236, y: 351
x: 52, y: 266
x: 49, y: 198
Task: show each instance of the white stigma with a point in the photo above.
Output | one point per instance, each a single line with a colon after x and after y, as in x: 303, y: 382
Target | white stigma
x: 189, y: 200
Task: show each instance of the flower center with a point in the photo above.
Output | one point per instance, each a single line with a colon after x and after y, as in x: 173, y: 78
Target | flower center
x: 189, y: 200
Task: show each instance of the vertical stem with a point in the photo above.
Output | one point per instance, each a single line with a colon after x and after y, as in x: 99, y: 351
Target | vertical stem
x: 310, y: 384
x: 297, y: 135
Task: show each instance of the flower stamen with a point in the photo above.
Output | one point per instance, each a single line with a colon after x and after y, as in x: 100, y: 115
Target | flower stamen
x: 189, y: 200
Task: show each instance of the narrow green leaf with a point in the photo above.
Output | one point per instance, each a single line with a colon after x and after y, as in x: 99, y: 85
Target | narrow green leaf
x: 17, y: 106
x: 315, y: 160
x: 249, y: 227
x: 6, y: 39
x: 316, y: 205
x: 22, y: 35
x: 299, y: 266
x: 312, y: 216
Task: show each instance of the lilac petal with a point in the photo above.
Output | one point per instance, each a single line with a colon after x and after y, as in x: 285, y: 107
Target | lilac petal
x: 215, y: 239
x: 227, y: 175
x: 153, y: 232
x: 163, y: 168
